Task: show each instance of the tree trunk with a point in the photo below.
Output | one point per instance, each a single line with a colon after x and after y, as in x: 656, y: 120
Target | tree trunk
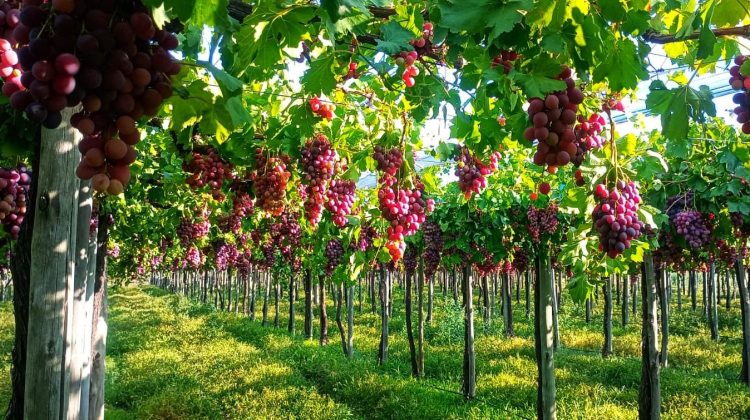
x: 430, y: 298
x: 384, y: 303
x: 635, y: 297
x: 607, y: 347
x: 486, y: 307
x: 409, y: 328
x: 253, y: 293
x: 420, y: 328
x: 745, y: 308
x: 528, y: 294
x: 323, y: 313
x: 80, y: 319
x: 705, y: 296
x: 728, y: 291
x: 454, y: 285
x: 544, y: 339
x: 350, y: 321
x: 713, y: 316
x: 470, y: 375
x: 308, y: 306
x: 292, y: 299
x: 507, y: 306
x: 99, y: 317
x: 663, y: 290
x: 276, y: 296
x: 679, y: 292
x: 555, y: 310
x: 53, y: 259
x: 266, y: 293
x: 589, y: 304
x: 649, y: 399
x: 339, y: 322
x: 625, y: 300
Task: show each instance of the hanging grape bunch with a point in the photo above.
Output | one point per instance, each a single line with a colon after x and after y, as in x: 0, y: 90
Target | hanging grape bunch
x: 367, y: 234
x: 319, y: 164
x: 389, y: 161
x: 340, y: 199
x: 553, y: 119
x: 741, y: 82
x: 615, y: 217
x: 271, y: 178
x: 505, y: 59
x: 285, y: 234
x: 521, y: 260
x: 189, y: 230
x: 405, y: 210
x: 334, y: 254
x: 10, y: 68
x: 542, y: 221
x: 693, y: 227
x: 208, y: 170
x: 14, y: 190
x: 433, y: 247
x: 422, y: 46
x: 322, y: 109
x: 472, y: 173
x: 588, y: 136
x: 108, y: 57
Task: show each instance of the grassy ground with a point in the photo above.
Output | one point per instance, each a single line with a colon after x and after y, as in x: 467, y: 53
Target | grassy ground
x: 172, y: 359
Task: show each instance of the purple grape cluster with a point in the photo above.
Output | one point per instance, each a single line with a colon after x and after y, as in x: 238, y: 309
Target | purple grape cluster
x: 14, y: 190
x: 410, y: 260
x: 226, y: 255
x: 334, y: 253
x: 542, y: 221
x: 285, y: 234
x: 193, y: 257
x: 367, y: 234
x: 678, y: 203
x: 693, y: 227
x: 520, y: 260
x: 615, y: 217
x: 433, y: 247
x: 340, y: 199
x: 188, y: 231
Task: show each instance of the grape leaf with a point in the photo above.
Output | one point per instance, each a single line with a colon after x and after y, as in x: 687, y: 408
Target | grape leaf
x: 548, y: 14
x: 728, y: 12
x: 707, y: 39
x: 395, y: 38
x: 745, y: 68
x: 475, y: 15
x: 320, y: 78
x: 537, y: 86
x: 677, y: 106
x: 621, y: 66
x: 612, y: 10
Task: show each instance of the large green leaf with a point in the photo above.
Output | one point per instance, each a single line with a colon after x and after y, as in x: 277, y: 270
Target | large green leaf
x: 622, y: 67
x: 320, y: 77
x: 476, y: 15
x: 394, y: 39
x: 678, y: 106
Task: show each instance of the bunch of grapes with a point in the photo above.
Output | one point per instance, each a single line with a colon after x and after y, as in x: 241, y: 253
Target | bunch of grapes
x: 389, y: 161
x: 367, y: 234
x: 553, y: 119
x: 410, y: 260
x: 242, y: 204
x: 505, y: 59
x: 156, y: 261
x: 226, y: 255
x: 189, y: 231
x: 193, y: 257
x: 321, y: 109
x: 615, y: 217
x: 334, y: 254
x: 10, y: 68
x: 340, y: 200
x: 114, y: 251
x: 107, y: 56
x: 285, y: 234
x: 488, y: 265
x: 542, y: 221
x: 472, y: 173
x: 741, y: 82
x: 14, y: 189
x: 520, y: 260
x: 693, y: 227
x: 208, y: 170
x: 351, y: 73
x: 319, y: 163
x: 433, y: 247
x: 588, y: 136
x: 579, y: 178
x: 271, y: 178
x: 405, y: 210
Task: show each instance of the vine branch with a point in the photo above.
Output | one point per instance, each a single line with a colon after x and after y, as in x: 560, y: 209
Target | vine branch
x: 659, y: 38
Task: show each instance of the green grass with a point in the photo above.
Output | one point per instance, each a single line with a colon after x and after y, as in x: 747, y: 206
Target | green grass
x: 169, y: 358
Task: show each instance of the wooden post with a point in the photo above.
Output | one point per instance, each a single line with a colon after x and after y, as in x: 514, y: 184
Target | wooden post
x: 384, y: 303
x: 420, y: 318
x: 100, y: 313
x: 470, y: 374
x: 649, y: 399
x: 52, y: 271
x: 544, y: 339
x: 745, y: 308
x: 607, y: 347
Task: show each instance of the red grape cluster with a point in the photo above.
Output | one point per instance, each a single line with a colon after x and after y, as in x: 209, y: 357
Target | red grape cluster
x: 14, y: 190
x: 410, y: 260
x: 520, y: 260
x: 189, y: 230
x: 579, y: 178
x: 226, y: 255
x: 505, y: 59
x: 321, y: 109
x: 351, y: 73
x: 410, y: 71
x: 107, y: 56
x: 242, y: 204
x: 741, y: 82
x: 680, y: 202
x: 319, y: 163
x: 10, y: 68
x: 433, y: 247
x: 285, y: 234
x: 193, y: 257
x: 340, y: 200
x: 208, y: 170
x: 367, y: 234
x: 389, y: 161
x: 552, y: 121
x: 542, y: 221
x: 588, y: 131
x: 334, y: 254
x: 472, y: 173
x: 271, y: 178
x: 404, y: 209
x: 693, y: 227
x: 488, y: 265
x: 615, y: 217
